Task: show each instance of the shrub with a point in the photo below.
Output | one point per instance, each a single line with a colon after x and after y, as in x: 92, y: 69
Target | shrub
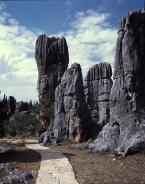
x: 46, y: 110
x: 24, y: 123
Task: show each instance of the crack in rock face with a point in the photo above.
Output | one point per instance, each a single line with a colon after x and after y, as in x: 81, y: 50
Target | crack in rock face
x: 52, y: 59
x: 126, y: 129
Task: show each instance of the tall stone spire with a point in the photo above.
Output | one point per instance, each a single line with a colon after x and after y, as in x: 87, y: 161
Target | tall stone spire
x: 52, y: 59
x: 125, y: 132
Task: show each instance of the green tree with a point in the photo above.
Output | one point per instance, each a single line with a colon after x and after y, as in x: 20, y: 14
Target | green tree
x: 46, y: 110
x: 3, y: 114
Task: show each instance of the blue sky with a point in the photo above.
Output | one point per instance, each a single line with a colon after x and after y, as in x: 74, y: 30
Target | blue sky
x: 90, y: 27
x: 55, y: 15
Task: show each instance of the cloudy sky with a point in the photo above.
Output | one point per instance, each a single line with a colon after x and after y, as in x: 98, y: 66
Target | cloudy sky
x: 90, y: 28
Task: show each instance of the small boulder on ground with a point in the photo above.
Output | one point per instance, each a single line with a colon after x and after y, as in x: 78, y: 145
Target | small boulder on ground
x: 13, y: 176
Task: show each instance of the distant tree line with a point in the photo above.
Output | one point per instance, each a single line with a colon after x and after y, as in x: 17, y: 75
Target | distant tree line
x: 7, y: 109
x: 17, y: 118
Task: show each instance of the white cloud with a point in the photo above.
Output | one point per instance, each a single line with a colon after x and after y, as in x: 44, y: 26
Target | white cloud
x: 90, y: 39
x: 18, y: 74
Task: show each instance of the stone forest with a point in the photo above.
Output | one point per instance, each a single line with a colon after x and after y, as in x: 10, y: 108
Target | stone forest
x: 104, y: 112
x: 112, y: 111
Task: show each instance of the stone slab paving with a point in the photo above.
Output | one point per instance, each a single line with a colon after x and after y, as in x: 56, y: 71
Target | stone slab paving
x: 54, y: 167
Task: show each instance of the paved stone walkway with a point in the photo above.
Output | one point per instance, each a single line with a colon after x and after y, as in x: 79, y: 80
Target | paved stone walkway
x: 54, y: 168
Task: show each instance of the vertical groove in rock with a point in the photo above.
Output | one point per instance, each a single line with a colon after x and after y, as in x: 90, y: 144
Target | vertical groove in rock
x: 52, y: 60
x: 98, y: 84
x: 126, y: 131
x: 70, y: 119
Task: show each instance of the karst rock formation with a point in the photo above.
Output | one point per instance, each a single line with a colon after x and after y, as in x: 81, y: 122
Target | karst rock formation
x: 70, y: 119
x: 116, y: 107
x: 97, y: 85
x: 126, y: 130
x: 52, y: 59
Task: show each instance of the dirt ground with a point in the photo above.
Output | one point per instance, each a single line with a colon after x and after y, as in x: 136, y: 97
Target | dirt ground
x: 22, y: 158
x: 95, y: 168
x: 89, y: 168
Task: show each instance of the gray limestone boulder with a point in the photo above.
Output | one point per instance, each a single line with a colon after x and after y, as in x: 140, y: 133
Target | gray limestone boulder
x: 47, y: 137
x: 14, y: 176
x: 106, y: 140
x: 4, y: 147
x: 127, y: 102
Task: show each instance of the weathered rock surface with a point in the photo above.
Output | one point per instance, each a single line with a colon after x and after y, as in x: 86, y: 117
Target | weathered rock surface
x: 97, y: 85
x: 52, y: 60
x: 126, y: 131
x: 4, y: 148
x: 13, y: 176
x: 70, y: 118
x: 47, y: 137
